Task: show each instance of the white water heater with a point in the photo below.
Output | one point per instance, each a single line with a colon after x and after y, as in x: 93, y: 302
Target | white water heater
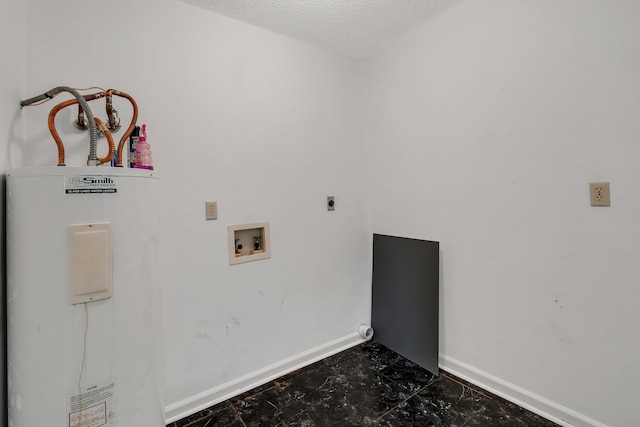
x: 83, y: 298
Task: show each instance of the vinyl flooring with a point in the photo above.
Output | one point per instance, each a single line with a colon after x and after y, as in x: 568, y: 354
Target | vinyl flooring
x: 367, y: 385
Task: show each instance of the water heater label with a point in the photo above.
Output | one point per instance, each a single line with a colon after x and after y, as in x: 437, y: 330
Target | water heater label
x: 94, y: 407
x: 95, y: 416
x: 90, y: 184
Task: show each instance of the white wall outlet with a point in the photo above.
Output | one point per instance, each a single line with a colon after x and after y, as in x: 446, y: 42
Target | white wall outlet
x: 600, y: 195
x: 211, y: 210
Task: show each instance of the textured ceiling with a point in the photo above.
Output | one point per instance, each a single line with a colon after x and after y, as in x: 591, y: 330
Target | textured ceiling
x: 355, y: 28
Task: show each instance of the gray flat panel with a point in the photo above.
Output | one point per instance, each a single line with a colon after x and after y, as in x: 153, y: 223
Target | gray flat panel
x: 405, y: 301
x: 3, y: 302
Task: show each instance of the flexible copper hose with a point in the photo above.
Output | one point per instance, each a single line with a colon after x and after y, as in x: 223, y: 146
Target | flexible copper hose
x: 134, y: 118
x: 114, y: 123
x: 112, y: 114
x: 109, y: 106
x: 52, y: 126
x: 92, y: 160
x: 54, y: 133
x: 81, y: 122
x: 112, y: 145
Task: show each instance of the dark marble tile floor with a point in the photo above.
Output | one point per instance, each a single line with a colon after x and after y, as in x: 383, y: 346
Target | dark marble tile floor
x: 365, y: 385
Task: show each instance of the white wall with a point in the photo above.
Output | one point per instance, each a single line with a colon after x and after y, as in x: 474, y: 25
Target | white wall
x: 258, y: 122
x: 484, y: 128
x: 13, y: 20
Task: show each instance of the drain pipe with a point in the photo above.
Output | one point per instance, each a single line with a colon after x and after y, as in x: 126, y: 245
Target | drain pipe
x: 93, y: 134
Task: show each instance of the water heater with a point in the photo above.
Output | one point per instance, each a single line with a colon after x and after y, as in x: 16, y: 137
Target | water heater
x: 83, y: 298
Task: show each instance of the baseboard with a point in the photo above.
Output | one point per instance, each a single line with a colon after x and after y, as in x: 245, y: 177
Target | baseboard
x: 511, y: 392
x: 207, y: 398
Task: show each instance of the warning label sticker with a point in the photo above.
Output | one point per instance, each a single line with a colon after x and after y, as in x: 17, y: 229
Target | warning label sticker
x: 94, y: 407
x: 92, y: 184
x: 95, y: 416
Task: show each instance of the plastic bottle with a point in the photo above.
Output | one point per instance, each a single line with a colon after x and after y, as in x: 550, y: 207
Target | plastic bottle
x: 133, y: 141
x: 142, y: 158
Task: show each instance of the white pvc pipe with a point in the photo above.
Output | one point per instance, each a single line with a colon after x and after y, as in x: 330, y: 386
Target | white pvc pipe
x: 365, y: 331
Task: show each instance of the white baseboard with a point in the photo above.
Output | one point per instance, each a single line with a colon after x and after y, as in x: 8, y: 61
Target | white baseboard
x: 207, y: 398
x: 511, y: 392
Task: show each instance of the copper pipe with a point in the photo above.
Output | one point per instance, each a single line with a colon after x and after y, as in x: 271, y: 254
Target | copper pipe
x: 123, y: 140
x: 54, y: 132
x: 134, y: 118
x: 112, y: 114
x: 81, y: 122
x: 52, y: 126
x: 92, y: 160
x: 112, y: 145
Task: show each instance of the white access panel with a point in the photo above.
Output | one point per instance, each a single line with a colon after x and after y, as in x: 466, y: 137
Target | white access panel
x: 89, y: 262
x: 90, y: 364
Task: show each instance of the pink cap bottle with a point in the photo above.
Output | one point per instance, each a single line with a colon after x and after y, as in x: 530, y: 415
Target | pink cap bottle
x: 142, y: 158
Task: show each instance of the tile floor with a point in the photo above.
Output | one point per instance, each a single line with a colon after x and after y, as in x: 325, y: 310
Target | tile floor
x: 365, y: 385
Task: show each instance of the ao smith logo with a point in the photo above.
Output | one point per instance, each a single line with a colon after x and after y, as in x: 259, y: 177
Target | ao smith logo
x: 91, y: 181
x: 90, y: 184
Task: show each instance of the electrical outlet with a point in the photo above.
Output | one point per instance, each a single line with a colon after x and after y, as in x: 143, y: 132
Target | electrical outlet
x: 331, y: 203
x: 211, y: 210
x: 600, y: 195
